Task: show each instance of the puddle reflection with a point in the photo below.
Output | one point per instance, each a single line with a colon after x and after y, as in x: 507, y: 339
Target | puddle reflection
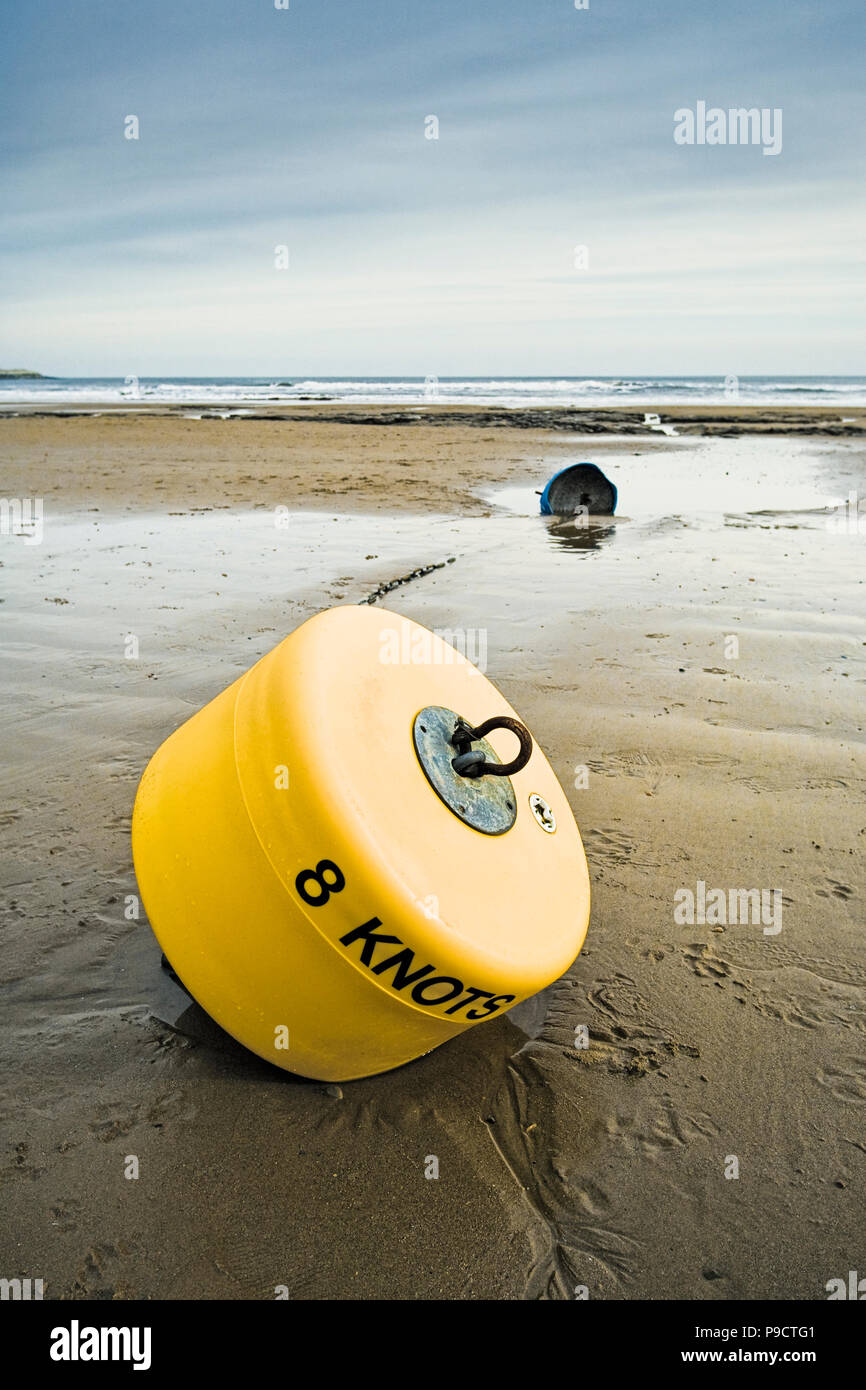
x: 580, y: 532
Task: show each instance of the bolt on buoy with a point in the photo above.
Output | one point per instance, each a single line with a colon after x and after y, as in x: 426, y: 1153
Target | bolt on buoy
x: 542, y: 812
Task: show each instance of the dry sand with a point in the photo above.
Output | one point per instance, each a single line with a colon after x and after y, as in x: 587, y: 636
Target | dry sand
x: 559, y: 1167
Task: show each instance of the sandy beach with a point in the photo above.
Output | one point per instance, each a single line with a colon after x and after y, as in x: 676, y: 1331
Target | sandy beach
x: 687, y: 759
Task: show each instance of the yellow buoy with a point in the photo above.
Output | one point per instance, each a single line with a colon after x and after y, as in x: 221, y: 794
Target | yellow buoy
x: 325, y: 883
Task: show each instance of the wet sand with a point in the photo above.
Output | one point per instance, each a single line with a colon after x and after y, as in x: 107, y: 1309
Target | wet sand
x: 559, y: 1167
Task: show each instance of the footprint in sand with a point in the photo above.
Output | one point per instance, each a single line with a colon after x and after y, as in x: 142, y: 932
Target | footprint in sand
x: 65, y: 1213
x: 661, y: 1131
x: 95, y: 1278
x: 21, y: 1165
x: 845, y: 1080
x: 791, y: 991
x: 114, y: 1122
x: 610, y: 846
x: 705, y: 962
x: 617, y: 996
x: 633, y: 1043
x: 835, y: 890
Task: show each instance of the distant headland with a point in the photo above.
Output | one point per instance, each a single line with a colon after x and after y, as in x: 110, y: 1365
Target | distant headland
x: 22, y: 372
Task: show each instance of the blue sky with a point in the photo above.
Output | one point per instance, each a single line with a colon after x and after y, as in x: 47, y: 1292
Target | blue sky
x: 306, y: 128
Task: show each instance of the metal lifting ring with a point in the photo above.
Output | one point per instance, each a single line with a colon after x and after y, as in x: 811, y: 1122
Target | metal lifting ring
x: 474, y: 764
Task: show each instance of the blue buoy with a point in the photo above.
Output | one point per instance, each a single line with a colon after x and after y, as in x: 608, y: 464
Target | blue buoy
x: 580, y: 485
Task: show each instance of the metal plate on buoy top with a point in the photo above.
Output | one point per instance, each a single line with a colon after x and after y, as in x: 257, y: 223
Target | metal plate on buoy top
x: 487, y: 804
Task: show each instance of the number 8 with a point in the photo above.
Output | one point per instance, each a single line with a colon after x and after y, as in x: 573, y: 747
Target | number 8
x: 317, y: 875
